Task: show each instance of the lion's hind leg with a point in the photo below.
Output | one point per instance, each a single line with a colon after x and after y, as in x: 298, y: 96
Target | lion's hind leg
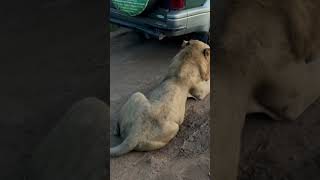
x: 166, y: 133
x: 150, y: 145
x: 133, y: 123
x: 137, y: 107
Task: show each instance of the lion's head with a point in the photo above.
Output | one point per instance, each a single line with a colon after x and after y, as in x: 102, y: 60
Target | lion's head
x: 192, y: 63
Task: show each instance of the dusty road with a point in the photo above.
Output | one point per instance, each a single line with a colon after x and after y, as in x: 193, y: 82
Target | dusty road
x: 138, y: 65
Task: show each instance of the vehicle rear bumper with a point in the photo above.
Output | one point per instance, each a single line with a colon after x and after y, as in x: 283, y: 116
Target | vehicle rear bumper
x: 166, y: 24
x: 154, y: 27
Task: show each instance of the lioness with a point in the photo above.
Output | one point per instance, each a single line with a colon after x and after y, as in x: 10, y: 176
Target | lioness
x: 266, y: 61
x: 149, y: 123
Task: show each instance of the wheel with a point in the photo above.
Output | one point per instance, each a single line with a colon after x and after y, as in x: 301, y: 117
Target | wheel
x: 202, y: 36
x: 135, y: 7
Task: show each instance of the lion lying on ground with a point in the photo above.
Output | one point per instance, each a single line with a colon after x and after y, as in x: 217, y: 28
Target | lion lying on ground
x: 149, y: 123
x: 266, y: 61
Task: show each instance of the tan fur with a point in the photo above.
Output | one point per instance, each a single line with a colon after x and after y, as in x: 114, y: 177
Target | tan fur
x: 149, y: 123
x: 262, y: 65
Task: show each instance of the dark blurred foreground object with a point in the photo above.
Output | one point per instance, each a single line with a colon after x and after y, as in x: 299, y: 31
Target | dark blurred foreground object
x: 76, y: 148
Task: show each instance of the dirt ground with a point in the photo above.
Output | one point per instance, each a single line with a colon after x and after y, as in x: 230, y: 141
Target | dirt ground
x: 53, y: 53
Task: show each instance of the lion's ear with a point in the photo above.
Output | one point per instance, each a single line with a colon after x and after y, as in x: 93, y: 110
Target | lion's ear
x: 205, y: 70
x: 204, y: 65
x: 185, y: 43
x: 206, y: 53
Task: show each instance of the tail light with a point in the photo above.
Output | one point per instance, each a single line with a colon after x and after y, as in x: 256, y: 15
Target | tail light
x: 177, y: 4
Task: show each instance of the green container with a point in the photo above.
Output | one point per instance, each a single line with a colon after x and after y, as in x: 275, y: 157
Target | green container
x: 131, y: 7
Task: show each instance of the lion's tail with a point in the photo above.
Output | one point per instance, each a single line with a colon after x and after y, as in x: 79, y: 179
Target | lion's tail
x: 126, y: 146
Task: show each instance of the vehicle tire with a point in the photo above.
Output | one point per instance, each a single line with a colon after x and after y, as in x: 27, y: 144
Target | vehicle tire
x: 201, y: 36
